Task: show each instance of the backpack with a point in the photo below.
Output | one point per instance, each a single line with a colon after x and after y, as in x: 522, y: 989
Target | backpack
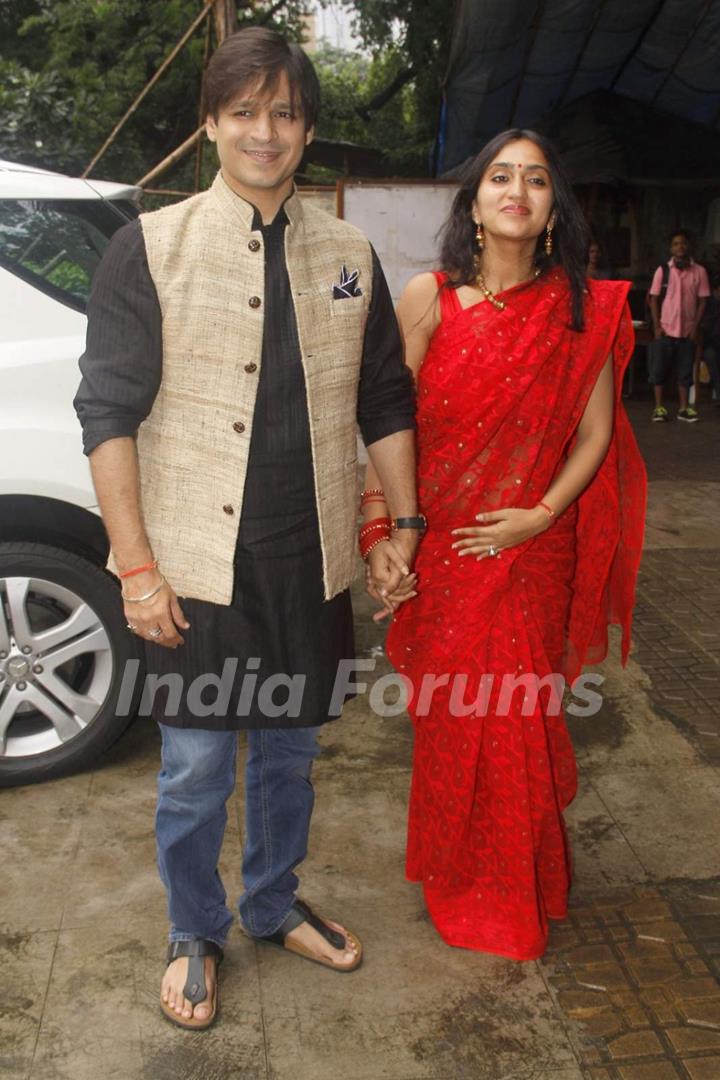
x: 663, y: 287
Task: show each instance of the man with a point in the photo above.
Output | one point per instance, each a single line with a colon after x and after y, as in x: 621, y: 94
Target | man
x: 233, y: 340
x: 678, y: 295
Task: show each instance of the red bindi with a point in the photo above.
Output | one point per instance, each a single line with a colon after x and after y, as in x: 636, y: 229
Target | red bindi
x: 519, y: 165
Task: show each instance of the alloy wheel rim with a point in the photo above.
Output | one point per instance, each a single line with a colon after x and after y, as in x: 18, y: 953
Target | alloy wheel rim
x: 56, y: 666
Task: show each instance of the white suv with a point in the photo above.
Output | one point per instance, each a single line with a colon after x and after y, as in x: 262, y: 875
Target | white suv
x: 63, y: 642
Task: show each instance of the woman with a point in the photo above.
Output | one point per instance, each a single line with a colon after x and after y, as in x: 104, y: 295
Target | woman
x: 534, y: 494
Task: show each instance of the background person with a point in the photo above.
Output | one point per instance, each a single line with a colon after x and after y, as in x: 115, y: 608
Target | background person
x: 596, y: 269
x: 678, y: 295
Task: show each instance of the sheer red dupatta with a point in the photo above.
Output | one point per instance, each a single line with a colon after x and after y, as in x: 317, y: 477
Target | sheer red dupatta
x: 608, y: 558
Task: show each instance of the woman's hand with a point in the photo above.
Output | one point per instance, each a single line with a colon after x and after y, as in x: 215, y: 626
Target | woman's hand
x: 500, y: 529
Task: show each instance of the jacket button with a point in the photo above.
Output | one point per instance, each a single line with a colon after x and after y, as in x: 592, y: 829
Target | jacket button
x: 228, y: 509
x: 255, y: 301
x: 250, y: 368
x: 239, y: 427
x: 254, y: 245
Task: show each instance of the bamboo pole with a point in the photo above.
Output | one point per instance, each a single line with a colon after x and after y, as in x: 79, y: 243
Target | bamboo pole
x: 171, y: 159
x: 225, y: 16
x: 225, y: 20
x: 146, y: 89
x: 201, y: 107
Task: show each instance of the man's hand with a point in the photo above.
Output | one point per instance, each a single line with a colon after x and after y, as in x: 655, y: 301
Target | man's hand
x: 162, y: 611
x: 500, y: 529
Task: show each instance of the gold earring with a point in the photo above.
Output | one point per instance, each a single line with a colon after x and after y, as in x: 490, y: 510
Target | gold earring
x: 480, y: 237
x: 549, y: 241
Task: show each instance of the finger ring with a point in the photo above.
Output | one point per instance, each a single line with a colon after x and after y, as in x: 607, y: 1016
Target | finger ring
x: 492, y: 552
x: 131, y: 626
x: 156, y: 632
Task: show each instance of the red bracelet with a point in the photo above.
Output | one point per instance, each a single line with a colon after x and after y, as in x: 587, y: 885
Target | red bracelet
x: 138, y: 570
x: 365, y: 549
x: 548, y: 509
x: 371, y: 491
x: 376, y: 523
x: 373, y: 533
x: 372, y: 499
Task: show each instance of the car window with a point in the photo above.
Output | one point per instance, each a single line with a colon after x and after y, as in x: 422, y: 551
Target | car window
x: 57, y: 244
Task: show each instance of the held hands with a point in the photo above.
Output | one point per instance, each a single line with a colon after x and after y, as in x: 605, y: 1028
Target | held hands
x: 500, y: 529
x: 388, y: 578
x: 161, y: 612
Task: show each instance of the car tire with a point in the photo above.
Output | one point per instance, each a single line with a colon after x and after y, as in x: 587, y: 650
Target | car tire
x: 64, y: 647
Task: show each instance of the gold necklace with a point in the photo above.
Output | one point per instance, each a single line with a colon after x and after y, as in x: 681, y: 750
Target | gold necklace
x: 499, y: 305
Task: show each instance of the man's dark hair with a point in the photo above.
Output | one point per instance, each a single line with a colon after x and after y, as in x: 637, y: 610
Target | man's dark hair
x: 570, y: 234
x: 679, y: 232
x: 257, y: 56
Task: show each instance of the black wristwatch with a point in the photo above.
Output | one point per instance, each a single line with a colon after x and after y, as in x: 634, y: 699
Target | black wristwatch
x: 419, y: 523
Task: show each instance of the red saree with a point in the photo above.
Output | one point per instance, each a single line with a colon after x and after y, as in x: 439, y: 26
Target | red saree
x: 500, y: 395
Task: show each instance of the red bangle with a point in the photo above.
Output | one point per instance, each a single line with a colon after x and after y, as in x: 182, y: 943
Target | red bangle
x: 368, y: 538
x: 373, y: 533
x: 376, y: 523
x: 372, y: 499
x: 365, y: 549
x: 138, y: 570
x: 548, y: 509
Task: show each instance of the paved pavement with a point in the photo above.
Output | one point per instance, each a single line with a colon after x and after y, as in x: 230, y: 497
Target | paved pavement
x: 627, y: 991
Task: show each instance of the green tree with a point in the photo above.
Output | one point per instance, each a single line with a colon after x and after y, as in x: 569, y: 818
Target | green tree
x: 412, y: 38
x: 70, y: 68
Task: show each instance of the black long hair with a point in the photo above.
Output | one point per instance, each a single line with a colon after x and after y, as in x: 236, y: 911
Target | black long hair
x: 570, y: 234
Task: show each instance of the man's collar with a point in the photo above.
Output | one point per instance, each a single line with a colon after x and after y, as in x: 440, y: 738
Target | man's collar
x: 244, y: 211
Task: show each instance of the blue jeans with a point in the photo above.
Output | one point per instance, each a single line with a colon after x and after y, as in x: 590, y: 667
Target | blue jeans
x: 196, y: 779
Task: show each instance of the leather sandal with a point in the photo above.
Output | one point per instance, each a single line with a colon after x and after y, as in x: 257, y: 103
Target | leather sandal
x: 300, y: 913
x: 195, y: 989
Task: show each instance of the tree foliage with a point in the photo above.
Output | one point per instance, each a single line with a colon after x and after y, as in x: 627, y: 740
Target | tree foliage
x: 70, y: 68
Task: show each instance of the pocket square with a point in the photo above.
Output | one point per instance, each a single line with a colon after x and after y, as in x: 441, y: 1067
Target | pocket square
x: 347, y: 286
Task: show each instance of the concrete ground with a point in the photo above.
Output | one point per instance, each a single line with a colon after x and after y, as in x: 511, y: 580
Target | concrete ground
x: 627, y: 991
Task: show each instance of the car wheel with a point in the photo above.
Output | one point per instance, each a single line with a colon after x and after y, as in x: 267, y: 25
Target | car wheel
x: 64, y: 647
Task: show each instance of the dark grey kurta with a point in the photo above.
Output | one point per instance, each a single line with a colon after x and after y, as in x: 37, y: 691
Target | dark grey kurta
x: 278, y: 623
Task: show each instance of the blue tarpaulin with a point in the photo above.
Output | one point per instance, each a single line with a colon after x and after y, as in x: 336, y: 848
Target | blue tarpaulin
x: 521, y: 63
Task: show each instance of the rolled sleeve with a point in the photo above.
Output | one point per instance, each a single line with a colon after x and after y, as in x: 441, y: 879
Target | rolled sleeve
x: 122, y: 363
x: 386, y: 397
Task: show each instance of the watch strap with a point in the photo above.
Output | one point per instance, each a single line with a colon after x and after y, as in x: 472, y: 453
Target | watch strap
x: 419, y: 523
